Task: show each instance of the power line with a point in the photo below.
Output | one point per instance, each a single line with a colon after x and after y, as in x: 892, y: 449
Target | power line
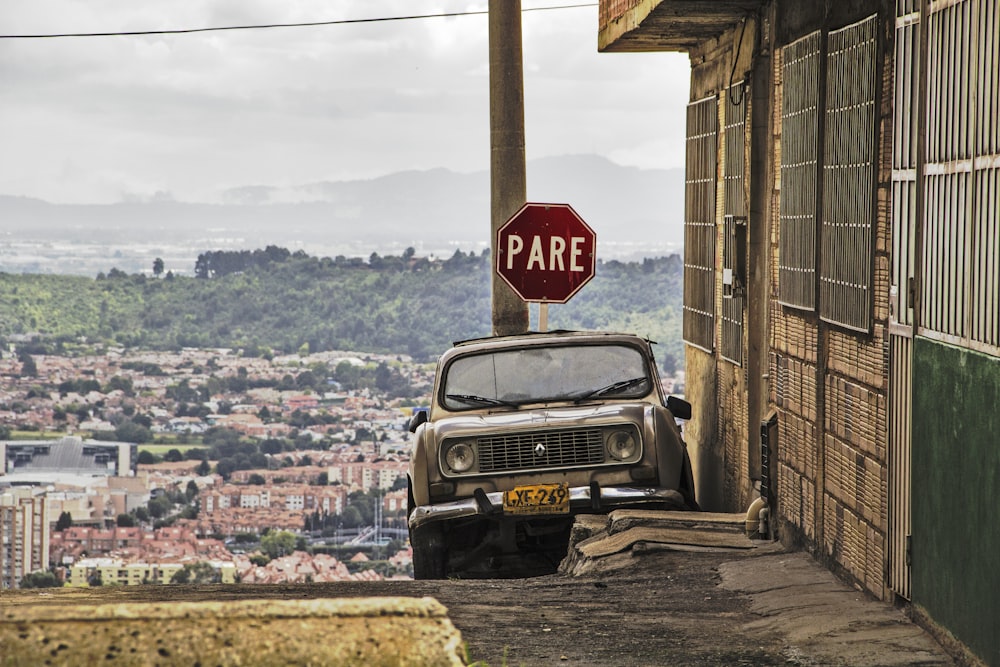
x: 184, y: 31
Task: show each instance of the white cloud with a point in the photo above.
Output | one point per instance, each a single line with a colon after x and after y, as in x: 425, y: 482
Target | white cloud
x: 96, y: 119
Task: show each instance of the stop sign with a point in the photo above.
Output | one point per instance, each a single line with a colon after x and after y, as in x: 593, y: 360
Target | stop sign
x: 546, y: 252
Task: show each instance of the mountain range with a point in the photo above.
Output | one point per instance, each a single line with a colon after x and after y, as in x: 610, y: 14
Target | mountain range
x: 635, y: 213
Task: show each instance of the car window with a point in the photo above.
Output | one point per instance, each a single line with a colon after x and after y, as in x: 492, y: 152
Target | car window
x: 545, y: 373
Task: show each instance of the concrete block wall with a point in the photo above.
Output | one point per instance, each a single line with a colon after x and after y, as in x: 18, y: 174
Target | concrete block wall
x: 829, y: 387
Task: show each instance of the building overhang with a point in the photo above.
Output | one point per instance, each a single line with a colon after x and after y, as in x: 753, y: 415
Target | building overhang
x: 667, y: 25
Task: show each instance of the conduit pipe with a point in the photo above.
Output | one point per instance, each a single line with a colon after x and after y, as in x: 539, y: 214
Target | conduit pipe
x: 756, y: 520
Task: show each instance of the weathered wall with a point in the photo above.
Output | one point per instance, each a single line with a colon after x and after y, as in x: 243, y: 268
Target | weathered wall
x: 829, y: 385
x: 699, y: 433
x: 724, y: 426
x: 956, y: 486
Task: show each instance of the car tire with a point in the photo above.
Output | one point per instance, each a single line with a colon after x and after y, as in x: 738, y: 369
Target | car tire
x: 427, y: 542
x: 429, y: 554
x: 687, y: 485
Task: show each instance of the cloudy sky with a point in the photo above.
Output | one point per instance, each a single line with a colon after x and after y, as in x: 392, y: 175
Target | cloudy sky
x: 106, y: 119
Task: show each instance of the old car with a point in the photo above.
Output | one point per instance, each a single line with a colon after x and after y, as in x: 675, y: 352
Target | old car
x: 524, y: 432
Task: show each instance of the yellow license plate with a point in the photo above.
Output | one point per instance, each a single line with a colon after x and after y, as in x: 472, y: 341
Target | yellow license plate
x: 537, y: 499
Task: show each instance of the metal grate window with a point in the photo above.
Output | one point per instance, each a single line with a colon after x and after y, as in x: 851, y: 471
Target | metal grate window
x: 905, y: 151
x: 734, y: 264
x: 960, y: 290
x: 850, y: 149
x: 985, y: 324
x: 699, y: 223
x: 904, y: 163
x: 800, y: 94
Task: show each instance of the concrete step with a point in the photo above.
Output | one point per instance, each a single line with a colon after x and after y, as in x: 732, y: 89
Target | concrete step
x: 595, y: 536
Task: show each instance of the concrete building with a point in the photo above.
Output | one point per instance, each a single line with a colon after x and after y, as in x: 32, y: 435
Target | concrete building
x: 842, y: 286
x: 43, y: 461
x: 117, y: 572
x: 24, y: 535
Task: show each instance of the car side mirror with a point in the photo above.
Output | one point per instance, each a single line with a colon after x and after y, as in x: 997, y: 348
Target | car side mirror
x: 680, y: 408
x: 417, y: 419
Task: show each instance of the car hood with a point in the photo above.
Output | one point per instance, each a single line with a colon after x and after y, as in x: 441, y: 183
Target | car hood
x: 557, y: 417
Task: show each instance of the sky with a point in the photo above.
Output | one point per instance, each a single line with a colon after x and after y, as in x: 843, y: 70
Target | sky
x: 186, y: 117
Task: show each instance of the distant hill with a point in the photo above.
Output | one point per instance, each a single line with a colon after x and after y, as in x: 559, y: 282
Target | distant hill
x: 635, y: 212
x: 278, y: 300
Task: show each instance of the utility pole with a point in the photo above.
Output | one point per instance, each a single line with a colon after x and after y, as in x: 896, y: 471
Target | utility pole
x: 508, y: 182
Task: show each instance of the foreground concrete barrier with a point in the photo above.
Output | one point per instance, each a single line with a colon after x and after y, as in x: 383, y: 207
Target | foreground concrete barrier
x: 363, y: 631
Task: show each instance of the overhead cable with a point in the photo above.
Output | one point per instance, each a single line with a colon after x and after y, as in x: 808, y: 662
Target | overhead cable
x: 309, y: 24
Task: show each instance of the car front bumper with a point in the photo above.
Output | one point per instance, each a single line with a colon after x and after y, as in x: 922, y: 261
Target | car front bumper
x: 583, y: 500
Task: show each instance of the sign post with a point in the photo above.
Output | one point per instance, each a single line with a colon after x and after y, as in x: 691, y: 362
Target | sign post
x: 546, y: 254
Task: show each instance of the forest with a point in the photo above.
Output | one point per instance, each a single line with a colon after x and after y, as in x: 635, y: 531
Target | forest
x: 273, y: 300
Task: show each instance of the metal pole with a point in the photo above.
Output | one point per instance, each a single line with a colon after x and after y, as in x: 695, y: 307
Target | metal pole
x: 508, y: 182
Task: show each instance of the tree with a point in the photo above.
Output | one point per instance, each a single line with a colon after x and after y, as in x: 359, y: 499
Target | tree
x: 160, y: 506
x: 146, y: 457
x: 203, y: 469
x: 351, y: 517
x: 130, y: 431
x: 197, y: 573
x: 191, y: 491
x: 40, y: 580
x: 119, y: 383
x: 256, y: 479
x: 28, y: 367
x: 65, y: 521
x: 181, y: 576
x: 125, y: 521
x: 278, y: 543
x: 225, y: 467
x: 157, y: 266
x: 173, y: 455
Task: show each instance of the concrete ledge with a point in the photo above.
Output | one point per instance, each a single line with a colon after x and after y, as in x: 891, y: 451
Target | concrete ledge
x: 621, y: 520
x: 363, y: 631
x: 595, y: 537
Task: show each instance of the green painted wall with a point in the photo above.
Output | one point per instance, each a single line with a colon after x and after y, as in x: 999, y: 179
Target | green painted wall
x: 956, y: 492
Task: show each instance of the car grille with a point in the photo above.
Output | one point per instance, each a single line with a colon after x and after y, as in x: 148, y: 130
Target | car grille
x: 521, y: 451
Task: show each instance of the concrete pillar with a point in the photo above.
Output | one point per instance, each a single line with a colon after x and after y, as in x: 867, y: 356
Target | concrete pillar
x: 508, y: 188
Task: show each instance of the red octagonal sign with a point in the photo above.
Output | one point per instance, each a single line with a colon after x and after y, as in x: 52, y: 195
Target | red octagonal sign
x: 546, y: 252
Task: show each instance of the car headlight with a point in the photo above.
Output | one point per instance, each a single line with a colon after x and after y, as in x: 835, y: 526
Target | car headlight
x: 460, y: 457
x: 621, y: 445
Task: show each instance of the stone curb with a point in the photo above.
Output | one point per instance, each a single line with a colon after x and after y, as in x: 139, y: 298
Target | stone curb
x: 362, y: 631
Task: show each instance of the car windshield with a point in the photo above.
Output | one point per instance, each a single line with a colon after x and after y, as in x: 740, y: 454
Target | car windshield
x: 542, y: 374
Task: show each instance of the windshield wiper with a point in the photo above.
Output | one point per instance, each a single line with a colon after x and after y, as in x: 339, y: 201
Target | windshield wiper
x: 482, y: 400
x: 611, y: 388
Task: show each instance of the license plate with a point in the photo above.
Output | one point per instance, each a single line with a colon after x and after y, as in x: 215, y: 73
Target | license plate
x: 537, y: 499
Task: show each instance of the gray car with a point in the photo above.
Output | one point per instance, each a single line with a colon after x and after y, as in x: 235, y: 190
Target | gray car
x: 525, y: 432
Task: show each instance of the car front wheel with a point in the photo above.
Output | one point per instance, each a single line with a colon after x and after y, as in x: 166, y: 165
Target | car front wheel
x: 429, y: 554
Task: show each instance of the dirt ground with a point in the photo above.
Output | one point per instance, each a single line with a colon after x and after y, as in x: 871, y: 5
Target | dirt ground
x: 643, y: 608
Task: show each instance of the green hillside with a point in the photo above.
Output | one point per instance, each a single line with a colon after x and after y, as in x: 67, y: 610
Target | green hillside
x: 273, y: 299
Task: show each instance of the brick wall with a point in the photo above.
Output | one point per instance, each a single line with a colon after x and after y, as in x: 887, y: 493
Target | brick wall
x: 829, y: 386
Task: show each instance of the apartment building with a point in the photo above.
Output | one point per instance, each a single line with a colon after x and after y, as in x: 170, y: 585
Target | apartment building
x: 24, y: 535
x: 117, y: 572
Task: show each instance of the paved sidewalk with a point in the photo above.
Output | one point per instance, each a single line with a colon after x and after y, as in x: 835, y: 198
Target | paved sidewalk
x: 823, y: 620
x: 820, y: 619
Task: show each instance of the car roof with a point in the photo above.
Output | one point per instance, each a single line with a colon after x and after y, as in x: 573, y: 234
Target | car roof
x: 556, y: 334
